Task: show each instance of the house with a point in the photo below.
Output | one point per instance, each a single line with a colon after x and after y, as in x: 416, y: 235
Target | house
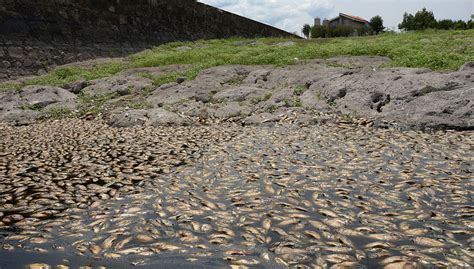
x: 344, y: 19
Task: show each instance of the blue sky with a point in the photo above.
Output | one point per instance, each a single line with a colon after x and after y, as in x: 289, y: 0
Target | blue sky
x: 290, y: 15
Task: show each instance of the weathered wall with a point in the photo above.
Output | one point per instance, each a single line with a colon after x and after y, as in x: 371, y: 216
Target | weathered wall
x: 36, y: 35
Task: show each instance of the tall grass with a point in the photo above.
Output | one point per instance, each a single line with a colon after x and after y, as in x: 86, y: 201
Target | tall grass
x: 438, y: 50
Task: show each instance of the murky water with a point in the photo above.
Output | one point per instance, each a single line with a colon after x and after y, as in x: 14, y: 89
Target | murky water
x: 215, y: 197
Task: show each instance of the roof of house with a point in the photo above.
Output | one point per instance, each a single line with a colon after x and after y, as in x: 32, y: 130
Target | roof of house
x: 351, y: 17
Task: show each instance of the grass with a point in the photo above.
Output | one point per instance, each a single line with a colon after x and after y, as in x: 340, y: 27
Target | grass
x: 438, y: 50
x: 299, y: 90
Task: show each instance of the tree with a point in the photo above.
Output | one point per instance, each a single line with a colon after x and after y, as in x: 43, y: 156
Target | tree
x: 407, y: 23
x: 319, y: 31
x: 470, y: 24
x: 306, y: 30
x: 424, y: 19
x: 460, y: 25
x: 377, y: 24
x: 445, y: 24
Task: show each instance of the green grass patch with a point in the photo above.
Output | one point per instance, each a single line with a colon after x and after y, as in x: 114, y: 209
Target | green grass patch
x: 435, y: 49
x: 94, y: 105
x: 59, y: 112
x: 299, y: 90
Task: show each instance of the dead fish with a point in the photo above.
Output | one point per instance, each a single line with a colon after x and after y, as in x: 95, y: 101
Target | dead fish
x: 112, y: 255
x: 266, y: 224
x: 95, y: 249
x: 39, y: 266
x: 426, y: 241
x: 122, y: 243
x: 144, y: 238
x: 416, y: 231
x: 108, y: 242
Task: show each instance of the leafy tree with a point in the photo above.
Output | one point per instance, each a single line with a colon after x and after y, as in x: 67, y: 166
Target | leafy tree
x: 408, y: 23
x: 470, y: 24
x: 341, y: 30
x: 460, y: 25
x: 306, y: 30
x: 319, y: 31
x: 445, y: 24
x: 423, y: 19
x: 364, y: 30
x: 377, y: 24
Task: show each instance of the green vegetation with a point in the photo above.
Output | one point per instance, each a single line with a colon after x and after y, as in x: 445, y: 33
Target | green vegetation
x: 438, y: 50
x: 425, y: 19
x: 59, y: 112
x: 306, y: 30
x: 299, y: 90
x: 377, y: 24
x: 93, y: 105
x: 324, y: 31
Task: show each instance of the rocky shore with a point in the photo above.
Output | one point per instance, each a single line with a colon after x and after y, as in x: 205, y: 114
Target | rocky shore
x: 326, y: 164
x: 351, y: 89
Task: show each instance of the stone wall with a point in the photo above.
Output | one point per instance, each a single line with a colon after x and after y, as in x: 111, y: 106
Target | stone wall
x: 37, y: 35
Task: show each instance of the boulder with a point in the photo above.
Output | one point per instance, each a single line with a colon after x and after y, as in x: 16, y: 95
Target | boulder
x: 40, y: 97
x: 232, y: 110
x: 161, y: 117
x: 120, y: 85
x: 240, y: 94
x: 19, y: 116
x: 76, y: 87
x: 141, y: 117
x: 467, y: 66
x: 261, y: 119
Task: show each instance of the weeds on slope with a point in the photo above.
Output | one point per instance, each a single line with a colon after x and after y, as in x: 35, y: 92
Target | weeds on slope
x: 438, y: 50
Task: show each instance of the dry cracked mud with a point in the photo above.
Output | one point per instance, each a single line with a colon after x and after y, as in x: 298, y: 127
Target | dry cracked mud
x: 81, y: 193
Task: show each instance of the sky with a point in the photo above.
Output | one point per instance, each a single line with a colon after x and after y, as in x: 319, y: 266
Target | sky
x: 291, y: 15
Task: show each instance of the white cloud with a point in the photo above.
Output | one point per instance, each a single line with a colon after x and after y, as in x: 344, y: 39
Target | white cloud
x: 289, y: 15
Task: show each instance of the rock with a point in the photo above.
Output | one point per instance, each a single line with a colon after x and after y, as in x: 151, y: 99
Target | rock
x: 20, y: 117
x: 128, y: 118
x: 231, y: 110
x: 258, y: 119
x: 77, y: 87
x: 180, y: 80
x: 140, y: 117
x: 40, y: 97
x: 161, y: 117
x: 437, y: 110
x: 170, y: 94
x: 9, y: 99
x: 241, y: 93
x: 467, y: 66
x: 120, y: 85
x: 6, y: 64
x: 310, y: 100
x: 257, y: 76
x: 123, y: 91
x: 358, y: 61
